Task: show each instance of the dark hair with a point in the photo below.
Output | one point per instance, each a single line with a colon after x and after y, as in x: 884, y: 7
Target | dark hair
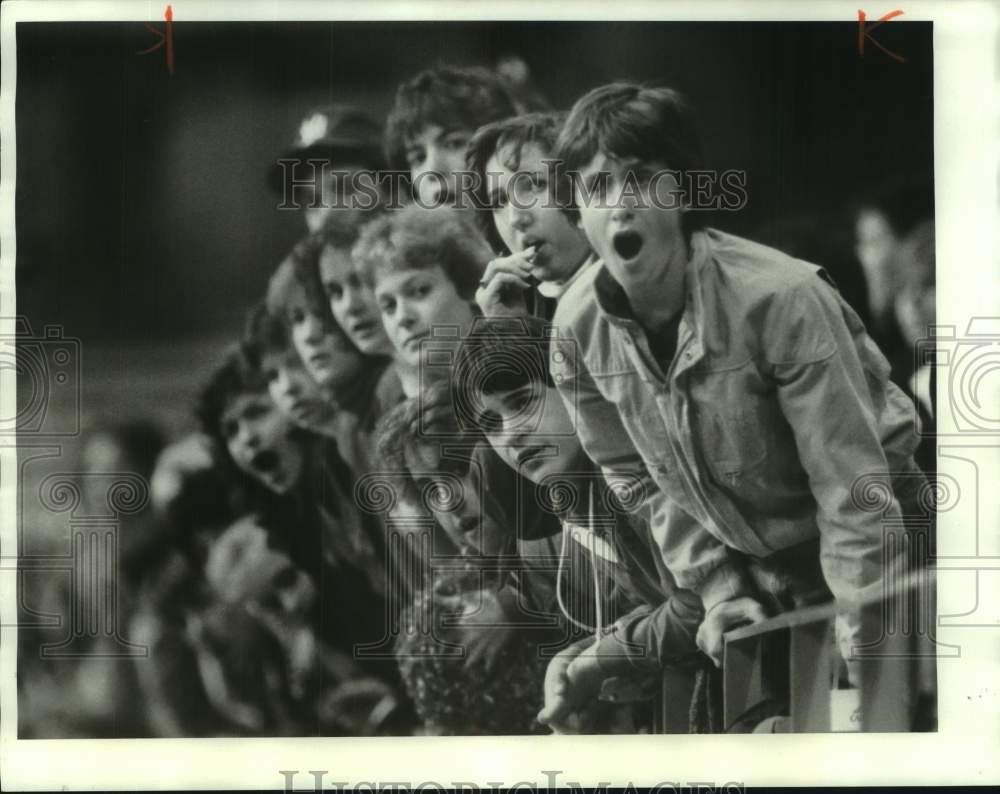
x: 416, y: 238
x: 905, y: 202
x: 300, y: 269
x: 499, y: 355
x: 263, y: 334
x: 628, y: 120
x: 516, y: 133
x: 449, y: 96
x: 299, y: 272
x: 297, y: 275
x: 235, y: 376
x: 428, y: 418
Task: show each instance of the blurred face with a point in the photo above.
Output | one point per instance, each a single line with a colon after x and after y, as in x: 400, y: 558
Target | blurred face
x: 526, y: 215
x: 328, y: 356
x: 352, y: 303
x: 632, y: 220
x: 455, y: 500
x: 413, y: 303
x: 875, y: 242
x: 434, y: 156
x: 335, y: 191
x: 290, y: 592
x: 530, y: 429
x: 257, y: 436
x: 294, y: 392
x: 102, y: 454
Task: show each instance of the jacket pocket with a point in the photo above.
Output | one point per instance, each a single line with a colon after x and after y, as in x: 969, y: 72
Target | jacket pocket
x: 736, y: 423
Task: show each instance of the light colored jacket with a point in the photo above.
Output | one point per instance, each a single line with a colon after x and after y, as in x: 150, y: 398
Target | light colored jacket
x: 776, y: 402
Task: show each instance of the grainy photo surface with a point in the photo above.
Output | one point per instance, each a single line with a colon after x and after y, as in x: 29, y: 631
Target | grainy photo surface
x: 415, y: 378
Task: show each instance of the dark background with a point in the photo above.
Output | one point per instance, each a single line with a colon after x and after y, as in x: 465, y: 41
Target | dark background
x: 145, y: 226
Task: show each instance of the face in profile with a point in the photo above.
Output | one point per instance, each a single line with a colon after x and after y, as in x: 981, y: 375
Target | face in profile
x: 435, y: 156
x: 413, y: 304
x: 258, y: 438
x: 294, y: 391
x: 352, y: 302
x: 530, y: 429
x: 526, y: 213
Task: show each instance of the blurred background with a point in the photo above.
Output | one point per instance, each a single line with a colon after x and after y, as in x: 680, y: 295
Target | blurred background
x: 146, y: 226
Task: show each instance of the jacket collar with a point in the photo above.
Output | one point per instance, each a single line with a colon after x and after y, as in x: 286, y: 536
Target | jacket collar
x: 555, y: 289
x: 614, y: 305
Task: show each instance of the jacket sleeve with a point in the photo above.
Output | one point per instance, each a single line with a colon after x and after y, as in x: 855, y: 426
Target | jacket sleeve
x: 651, y: 637
x: 834, y: 398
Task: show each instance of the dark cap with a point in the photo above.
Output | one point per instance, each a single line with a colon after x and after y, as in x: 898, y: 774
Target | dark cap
x: 338, y: 133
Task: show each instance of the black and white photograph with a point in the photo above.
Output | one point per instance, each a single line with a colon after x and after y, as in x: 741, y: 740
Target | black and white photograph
x: 525, y: 379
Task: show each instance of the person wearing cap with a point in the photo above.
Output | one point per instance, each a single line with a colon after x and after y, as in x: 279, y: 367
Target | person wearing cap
x: 331, y: 164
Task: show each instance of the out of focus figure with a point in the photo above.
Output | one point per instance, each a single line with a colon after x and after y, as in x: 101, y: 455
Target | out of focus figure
x: 882, y: 221
x: 914, y: 310
x: 329, y: 162
x: 824, y: 241
x: 311, y: 688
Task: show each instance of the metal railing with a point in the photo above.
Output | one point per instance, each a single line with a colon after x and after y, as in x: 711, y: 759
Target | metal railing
x: 786, y: 665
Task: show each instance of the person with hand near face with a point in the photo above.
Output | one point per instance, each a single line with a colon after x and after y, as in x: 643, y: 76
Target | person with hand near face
x: 538, y: 246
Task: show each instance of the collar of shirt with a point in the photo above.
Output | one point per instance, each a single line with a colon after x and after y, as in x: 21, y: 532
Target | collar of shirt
x: 614, y: 305
x: 555, y: 289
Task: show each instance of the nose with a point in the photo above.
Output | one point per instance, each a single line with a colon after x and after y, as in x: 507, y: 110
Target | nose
x: 353, y: 305
x: 519, y: 218
x: 313, y: 328
x: 247, y: 437
x: 288, y: 385
x: 433, y: 177
x: 513, y: 431
x: 622, y: 203
x: 406, y: 313
x: 621, y: 211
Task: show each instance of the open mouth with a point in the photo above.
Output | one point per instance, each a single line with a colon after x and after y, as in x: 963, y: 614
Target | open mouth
x: 265, y: 461
x: 627, y: 244
x: 301, y: 409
